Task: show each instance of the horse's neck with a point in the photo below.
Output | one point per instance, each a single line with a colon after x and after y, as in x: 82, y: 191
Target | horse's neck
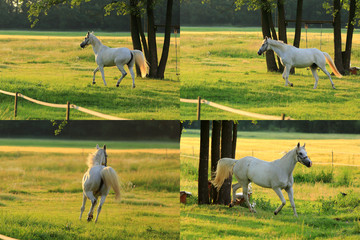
x: 288, y: 162
x: 97, y: 45
x: 278, y: 47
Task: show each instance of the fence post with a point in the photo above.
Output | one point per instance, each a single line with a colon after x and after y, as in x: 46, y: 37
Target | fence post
x: 198, y: 108
x: 15, y: 105
x: 68, y: 111
x: 283, y: 116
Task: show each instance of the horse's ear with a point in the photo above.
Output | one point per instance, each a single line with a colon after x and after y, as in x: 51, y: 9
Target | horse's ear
x: 304, y: 145
x: 298, y: 145
x: 266, y: 37
x: 97, y: 146
x: 104, y: 147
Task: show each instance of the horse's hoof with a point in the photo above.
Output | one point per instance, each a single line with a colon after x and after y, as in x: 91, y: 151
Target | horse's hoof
x: 117, y: 85
x: 333, y: 87
x: 133, y: 86
x: 291, y: 85
x: 231, y: 205
x: 89, y: 219
x: 94, y: 83
x: 275, y: 213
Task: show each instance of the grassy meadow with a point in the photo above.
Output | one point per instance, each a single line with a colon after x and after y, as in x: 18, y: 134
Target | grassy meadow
x: 51, y: 67
x: 221, y: 65
x: 41, y: 196
x: 324, y: 213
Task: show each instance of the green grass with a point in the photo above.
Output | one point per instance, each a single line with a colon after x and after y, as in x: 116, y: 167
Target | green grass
x: 87, y: 144
x: 41, y: 197
x: 323, y: 212
x: 223, y: 67
x: 51, y: 67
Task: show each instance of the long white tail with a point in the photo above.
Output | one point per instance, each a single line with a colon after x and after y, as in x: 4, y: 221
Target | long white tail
x: 224, y: 170
x: 332, y: 65
x: 111, y: 180
x: 141, y: 62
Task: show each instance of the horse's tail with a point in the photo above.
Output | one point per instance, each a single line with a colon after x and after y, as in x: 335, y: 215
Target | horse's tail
x: 141, y: 62
x: 224, y: 170
x: 332, y: 65
x: 111, y: 180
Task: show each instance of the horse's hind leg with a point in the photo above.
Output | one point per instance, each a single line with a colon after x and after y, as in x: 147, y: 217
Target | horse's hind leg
x: 328, y: 74
x: 234, y: 188
x: 95, y: 71
x: 246, y: 197
x: 93, y: 200
x: 313, y: 70
x: 131, y: 70
x: 281, y: 196
x: 83, y: 205
x: 103, y: 197
x: 123, y: 72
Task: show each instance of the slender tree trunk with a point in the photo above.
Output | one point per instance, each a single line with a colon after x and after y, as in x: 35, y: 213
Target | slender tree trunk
x: 281, y: 27
x: 203, y: 190
x: 153, y: 59
x: 337, y: 37
x: 135, y: 35
x: 215, y: 154
x: 226, y: 151
x: 297, y: 37
x: 234, y: 138
x: 349, y: 36
x: 143, y: 38
x: 165, y: 51
x: 265, y: 25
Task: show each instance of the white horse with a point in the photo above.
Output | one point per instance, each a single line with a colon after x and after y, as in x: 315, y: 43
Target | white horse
x: 276, y: 175
x: 97, y: 182
x: 301, y: 58
x: 108, y: 57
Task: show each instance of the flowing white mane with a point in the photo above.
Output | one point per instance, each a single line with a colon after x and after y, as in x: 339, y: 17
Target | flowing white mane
x: 94, y: 158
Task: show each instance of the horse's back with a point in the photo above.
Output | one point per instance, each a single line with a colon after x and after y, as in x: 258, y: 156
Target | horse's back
x: 109, y: 56
x: 92, y: 178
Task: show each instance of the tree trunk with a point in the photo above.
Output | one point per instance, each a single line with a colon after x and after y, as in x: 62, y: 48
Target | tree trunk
x: 215, y: 154
x: 349, y: 36
x: 226, y: 151
x: 165, y: 51
x: 153, y: 59
x: 234, y: 138
x: 337, y: 37
x: 203, y: 190
x: 281, y: 27
x: 143, y: 38
x: 265, y: 26
x: 135, y: 35
x: 297, y: 37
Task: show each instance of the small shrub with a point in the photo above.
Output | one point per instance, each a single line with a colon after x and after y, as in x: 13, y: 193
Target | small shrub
x: 264, y: 204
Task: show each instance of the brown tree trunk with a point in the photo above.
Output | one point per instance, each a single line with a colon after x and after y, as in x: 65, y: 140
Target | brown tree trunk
x: 265, y: 26
x: 135, y: 34
x: 349, y: 36
x: 153, y: 59
x: 297, y: 37
x: 215, y: 154
x: 281, y: 27
x: 337, y: 37
x: 143, y: 38
x: 203, y: 190
x: 226, y: 151
x: 166, y: 46
x: 234, y: 138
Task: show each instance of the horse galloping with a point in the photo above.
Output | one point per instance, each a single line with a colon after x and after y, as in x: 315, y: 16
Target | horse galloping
x: 108, y: 57
x: 97, y: 182
x: 299, y: 57
x: 276, y: 174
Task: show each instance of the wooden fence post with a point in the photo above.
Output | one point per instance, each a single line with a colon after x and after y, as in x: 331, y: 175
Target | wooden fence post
x: 283, y: 116
x: 68, y: 111
x: 198, y: 108
x: 15, y: 105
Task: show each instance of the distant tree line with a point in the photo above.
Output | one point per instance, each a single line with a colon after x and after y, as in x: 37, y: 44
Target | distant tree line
x: 350, y: 127
x: 93, y: 130
x: 86, y: 16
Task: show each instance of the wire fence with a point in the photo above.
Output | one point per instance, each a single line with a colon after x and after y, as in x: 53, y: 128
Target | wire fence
x: 66, y: 106
x: 200, y: 101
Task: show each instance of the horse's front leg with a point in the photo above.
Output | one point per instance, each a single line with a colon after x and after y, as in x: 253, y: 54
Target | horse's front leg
x: 103, y: 197
x: 95, y: 71
x: 234, y: 188
x: 83, y: 205
x: 123, y: 72
x: 101, y: 68
x: 290, y: 193
x: 281, y: 196
x: 285, y: 75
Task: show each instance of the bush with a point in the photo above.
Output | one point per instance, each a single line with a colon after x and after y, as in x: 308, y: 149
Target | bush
x: 324, y: 177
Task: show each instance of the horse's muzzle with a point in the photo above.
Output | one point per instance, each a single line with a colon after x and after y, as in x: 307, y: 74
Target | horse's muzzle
x: 82, y: 45
x: 259, y: 52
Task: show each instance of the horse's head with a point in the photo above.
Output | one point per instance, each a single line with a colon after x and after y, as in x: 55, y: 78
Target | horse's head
x: 264, y: 47
x: 302, y: 157
x: 87, y: 40
x: 101, y: 155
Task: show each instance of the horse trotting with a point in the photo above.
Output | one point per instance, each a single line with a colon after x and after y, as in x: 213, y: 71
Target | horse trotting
x: 276, y: 174
x: 300, y: 58
x: 108, y: 57
x: 97, y: 182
